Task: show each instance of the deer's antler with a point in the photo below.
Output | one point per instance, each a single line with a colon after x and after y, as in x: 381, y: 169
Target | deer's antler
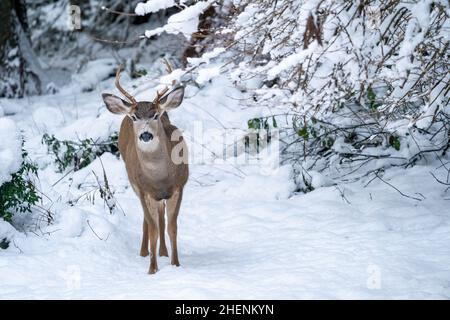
x: 123, y: 91
x: 169, y: 68
x: 159, y: 94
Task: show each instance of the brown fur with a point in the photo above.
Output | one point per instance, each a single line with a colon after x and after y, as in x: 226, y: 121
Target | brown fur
x: 156, y: 179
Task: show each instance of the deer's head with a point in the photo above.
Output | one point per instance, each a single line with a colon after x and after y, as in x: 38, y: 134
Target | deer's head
x: 146, y: 115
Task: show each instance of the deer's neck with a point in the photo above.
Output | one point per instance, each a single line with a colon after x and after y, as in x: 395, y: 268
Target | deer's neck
x: 156, y: 163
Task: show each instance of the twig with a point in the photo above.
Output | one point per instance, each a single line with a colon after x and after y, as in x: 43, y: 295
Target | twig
x: 440, y: 181
x: 93, y: 230
x: 396, y: 189
x: 116, y: 41
x: 17, y: 247
x: 120, y: 12
x: 342, y: 195
x: 60, y: 179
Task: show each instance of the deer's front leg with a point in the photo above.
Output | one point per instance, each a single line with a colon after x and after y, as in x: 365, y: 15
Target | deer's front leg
x: 162, y: 230
x: 152, y: 220
x: 173, y: 207
x: 144, y: 245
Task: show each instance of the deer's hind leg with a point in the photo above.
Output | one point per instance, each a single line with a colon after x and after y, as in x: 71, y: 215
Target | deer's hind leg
x: 173, y: 207
x: 162, y: 230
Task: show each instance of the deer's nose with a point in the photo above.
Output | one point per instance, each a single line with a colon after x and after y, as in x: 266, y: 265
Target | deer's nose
x: 146, y: 136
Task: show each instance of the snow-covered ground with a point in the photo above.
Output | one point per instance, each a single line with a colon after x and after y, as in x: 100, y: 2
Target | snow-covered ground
x: 243, y: 232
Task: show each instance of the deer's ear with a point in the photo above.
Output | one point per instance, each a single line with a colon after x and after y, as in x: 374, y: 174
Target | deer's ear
x: 115, y: 104
x: 172, y: 100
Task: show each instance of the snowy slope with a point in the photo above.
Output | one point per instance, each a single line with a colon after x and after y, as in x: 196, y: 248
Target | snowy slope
x: 242, y: 233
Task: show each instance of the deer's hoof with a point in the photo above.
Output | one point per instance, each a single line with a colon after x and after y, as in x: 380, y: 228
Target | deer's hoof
x: 163, y: 252
x: 144, y: 253
x: 152, y: 270
x: 175, y: 263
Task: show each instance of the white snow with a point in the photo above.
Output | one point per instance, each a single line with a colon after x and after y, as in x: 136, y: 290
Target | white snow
x: 243, y: 232
x: 6, y: 231
x: 143, y: 8
x: 292, y: 60
x: 47, y: 117
x: 184, y: 22
x: 71, y: 223
x: 175, y: 75
x: 10, y: 149
x: 58, y: 15
x: 206, y: 74
x: 94, y: 72
x: 206, y: 57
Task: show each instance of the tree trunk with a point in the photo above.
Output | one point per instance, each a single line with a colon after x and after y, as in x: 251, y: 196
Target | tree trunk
x: 20, y: 71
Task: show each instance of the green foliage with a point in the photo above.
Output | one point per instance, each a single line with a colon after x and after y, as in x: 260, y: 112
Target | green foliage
x: 261, y: 123
x: 78, y: 154
x: 313, y: 131
x: 258, y: 124
x: 139, y: 73
x: 19, y: 194
x: 394, y: 142
x: 327, y: 143
x: 372, y: 98
x: 4, y: 243
x: 303, y: 132
x: 274, y: 122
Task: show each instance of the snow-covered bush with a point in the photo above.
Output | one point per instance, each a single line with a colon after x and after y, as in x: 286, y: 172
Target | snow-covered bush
x: 19, y: 194
x: 184, y: 22
x: 78, y: 154
x: 10, y: 149
x: 390, y: 57
x: 356, y: 86
x: 359, y: 81
x: 17, y: 189
x: 354, y: 75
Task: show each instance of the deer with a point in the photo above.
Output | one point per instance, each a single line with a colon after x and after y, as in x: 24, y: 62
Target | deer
x: 155, y: 156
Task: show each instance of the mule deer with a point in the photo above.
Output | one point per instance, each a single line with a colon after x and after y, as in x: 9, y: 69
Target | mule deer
x: 156, y: 165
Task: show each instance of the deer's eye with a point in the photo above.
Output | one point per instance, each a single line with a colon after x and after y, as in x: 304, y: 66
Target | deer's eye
x: 133, y: 117
x: 156, y: 117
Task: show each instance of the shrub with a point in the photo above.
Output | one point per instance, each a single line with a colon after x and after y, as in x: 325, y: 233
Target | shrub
x: 78, y: 154
x: 4, y: 243
x: 19, y: 194
x: 363, y: 81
